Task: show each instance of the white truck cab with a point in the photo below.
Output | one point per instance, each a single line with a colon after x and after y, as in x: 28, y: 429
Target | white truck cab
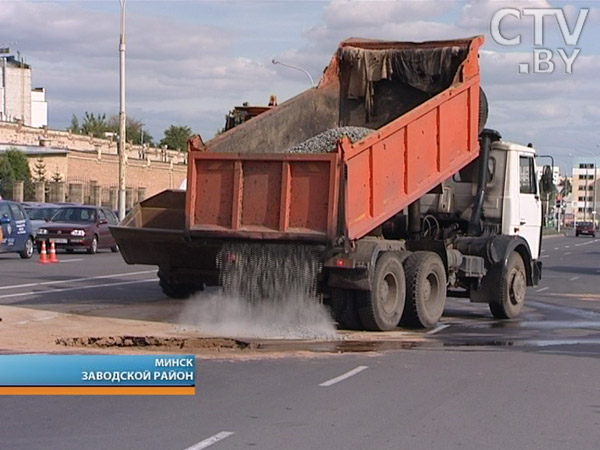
x: 522, y: 205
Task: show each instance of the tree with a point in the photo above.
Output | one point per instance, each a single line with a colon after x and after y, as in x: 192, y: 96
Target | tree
x: 74, y: 127
x: 566, y: 187
x: 97, y: 126
x: 133, y: 130
x: 14, y: 167
x: 57, y: 176
x: 176, y: 137
x: 39, y: 170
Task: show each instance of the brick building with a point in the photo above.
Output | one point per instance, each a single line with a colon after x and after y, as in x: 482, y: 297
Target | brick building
x: 93, y: 163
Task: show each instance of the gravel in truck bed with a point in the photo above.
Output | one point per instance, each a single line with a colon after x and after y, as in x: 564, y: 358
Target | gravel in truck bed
x: 326, y: 141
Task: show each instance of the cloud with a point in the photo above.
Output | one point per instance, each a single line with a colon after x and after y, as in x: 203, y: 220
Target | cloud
x: 190, y: 62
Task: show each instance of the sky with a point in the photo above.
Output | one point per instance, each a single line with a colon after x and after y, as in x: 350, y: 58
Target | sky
x: 190, y: 62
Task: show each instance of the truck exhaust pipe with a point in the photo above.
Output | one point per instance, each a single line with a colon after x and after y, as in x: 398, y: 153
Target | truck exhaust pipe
x: 487, y: 137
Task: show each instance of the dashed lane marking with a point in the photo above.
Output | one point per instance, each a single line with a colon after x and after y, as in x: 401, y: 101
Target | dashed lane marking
x: 211, y: 440
x: 343, y: 376
x: 438, y: 329
x: 74, y: 280
x: 52, y: 291
x: 542, y: 289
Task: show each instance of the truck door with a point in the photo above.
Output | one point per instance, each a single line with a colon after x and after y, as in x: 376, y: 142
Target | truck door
x: 530, y: 206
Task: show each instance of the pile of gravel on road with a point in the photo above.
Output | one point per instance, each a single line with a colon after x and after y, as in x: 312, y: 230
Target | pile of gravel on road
x: 326, y: 141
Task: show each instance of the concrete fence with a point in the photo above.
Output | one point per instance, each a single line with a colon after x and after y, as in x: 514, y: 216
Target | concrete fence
x: 78, y: 192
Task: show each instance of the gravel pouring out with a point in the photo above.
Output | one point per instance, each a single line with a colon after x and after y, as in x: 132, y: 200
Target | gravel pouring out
x: 269, y: 291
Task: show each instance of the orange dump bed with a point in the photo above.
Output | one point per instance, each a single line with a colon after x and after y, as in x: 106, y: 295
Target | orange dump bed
x: 421, y: 100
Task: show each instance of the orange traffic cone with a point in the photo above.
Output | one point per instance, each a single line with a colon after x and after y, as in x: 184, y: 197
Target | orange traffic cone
x: 43, y: 256
x: 53, y: 258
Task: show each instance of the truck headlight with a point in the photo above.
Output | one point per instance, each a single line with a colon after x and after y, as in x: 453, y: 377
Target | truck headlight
x: 42, y: 231
x: 77, y: 233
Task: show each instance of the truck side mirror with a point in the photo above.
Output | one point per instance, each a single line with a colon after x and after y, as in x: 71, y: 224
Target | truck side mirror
x: 546, y: 184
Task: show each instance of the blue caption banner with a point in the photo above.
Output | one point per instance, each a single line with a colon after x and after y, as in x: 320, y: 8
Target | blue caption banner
x: 98, y: 370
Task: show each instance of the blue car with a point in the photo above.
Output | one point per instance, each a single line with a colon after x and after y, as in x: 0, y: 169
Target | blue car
x: 16, y: 233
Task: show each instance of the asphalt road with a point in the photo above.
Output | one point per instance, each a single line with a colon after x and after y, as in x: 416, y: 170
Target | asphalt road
x: 472, y: 383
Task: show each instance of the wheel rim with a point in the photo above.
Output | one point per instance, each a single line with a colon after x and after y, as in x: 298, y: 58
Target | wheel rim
x: 431, y: 289
x: 388, y: 293
x: 517, y: 287
x: 29, y: 248
x: 94, y: 245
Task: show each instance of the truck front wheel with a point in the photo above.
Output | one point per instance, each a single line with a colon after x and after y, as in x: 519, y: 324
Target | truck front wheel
x: 426, y: 290
x: 507, y: 299
x: 380, y: 308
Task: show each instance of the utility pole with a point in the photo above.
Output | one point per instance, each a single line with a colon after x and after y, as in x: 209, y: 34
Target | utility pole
x: 122, y: 116
x: 312, y: 83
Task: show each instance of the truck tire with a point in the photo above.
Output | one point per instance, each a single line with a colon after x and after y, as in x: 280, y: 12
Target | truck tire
x: 342, y: 305
x: 483, y: 110
x: 426, y: 290
x: 508, y: 296
x: 178, y: 290
x: 380, y: 308
x: 175, y: 290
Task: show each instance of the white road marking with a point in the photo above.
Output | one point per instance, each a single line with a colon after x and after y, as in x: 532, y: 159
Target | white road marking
x: 573, y: 278
x: 438, y: 328
x: 344, y: 376
x: 211, y: 440
x: 586, y: 314
x: 567, y: 253
x: 541, y: 289
x: 70, y: 260
x: 555, y: 248
x: 545, y: 256
x: 52, y: 291
x: 567, y: 246
x: 46, y: 283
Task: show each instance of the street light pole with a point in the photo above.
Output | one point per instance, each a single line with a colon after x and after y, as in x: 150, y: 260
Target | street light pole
x: 122, y: 116
x: 312, y: 83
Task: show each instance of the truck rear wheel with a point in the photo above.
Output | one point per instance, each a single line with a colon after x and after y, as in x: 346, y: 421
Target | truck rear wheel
x: 179, y: 290
x: 174, y: 290
x: 508, y: 297
x: 342, y: 304
x: 426, y: 290
x: 380, y: 308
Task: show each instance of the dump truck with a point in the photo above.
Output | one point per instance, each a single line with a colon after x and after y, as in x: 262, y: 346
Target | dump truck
x: 426, y: 204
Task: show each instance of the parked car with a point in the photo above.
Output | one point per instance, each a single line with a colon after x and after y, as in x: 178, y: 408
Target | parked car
x: 16, y: 233
x: 585, y: 228
x: 79, y: 227
x: 40, y: 213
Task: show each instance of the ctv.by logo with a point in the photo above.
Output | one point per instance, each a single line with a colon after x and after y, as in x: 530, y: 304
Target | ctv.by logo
x: 544, y: 60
